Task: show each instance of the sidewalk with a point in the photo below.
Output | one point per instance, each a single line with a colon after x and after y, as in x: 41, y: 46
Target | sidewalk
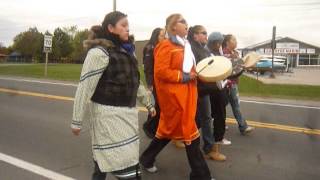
x: 306, y: 76
x: 281, y: 101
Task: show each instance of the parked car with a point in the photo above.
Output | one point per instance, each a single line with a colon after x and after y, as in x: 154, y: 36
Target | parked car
x: 265, y: 65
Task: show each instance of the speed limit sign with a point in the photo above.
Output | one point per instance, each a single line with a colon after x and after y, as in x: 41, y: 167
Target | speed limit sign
x: 47, y: 48
x: 47, y: 43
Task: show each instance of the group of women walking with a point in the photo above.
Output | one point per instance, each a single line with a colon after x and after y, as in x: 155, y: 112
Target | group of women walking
x: 183, y: 104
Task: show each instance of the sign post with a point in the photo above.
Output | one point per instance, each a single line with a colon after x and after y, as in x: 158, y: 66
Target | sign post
x: 47, y: 47
x: 273, y: 46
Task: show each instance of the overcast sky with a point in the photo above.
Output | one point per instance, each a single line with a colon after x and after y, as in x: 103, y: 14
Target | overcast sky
x: 250, y: 20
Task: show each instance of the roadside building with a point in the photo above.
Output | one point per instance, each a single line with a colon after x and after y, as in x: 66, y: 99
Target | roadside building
x: 3, y: 58
x: 298, y: 53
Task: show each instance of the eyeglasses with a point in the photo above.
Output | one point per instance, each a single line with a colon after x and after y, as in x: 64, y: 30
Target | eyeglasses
x: 203, y: 32
x: 182, y: 21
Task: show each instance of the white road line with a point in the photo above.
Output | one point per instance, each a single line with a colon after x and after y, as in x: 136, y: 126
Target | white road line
x: 280, y: 104
x: 38, y: 81
x: 32, y: 168
x: 75, y: 85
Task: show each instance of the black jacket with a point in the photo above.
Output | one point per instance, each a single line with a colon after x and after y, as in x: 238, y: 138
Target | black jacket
x: 148, y: 61
x: 200, y: 52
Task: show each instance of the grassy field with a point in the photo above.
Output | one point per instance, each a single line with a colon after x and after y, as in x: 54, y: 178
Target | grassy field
x: 252, y: 87
x: 248, y: 86
x: 67, y: 72
x: 64, y: 72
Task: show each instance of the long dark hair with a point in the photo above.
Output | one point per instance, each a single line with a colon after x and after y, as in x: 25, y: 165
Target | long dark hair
x: 226, y: 39
x: 154, y: 39
x: 102, y: 31
x: 192, y: 31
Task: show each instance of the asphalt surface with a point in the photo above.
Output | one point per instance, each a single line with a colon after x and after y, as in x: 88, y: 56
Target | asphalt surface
x: 37, y: 130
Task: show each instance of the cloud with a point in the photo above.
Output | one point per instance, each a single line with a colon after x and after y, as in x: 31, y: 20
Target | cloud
x: 251, y: 21
x: 8, y: 29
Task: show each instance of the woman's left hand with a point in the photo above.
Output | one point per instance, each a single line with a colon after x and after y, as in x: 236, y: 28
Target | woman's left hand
x: 76, y: 131
x: 153, y: 112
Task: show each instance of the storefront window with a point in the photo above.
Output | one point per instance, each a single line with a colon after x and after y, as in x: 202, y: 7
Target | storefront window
x: 304, y: 59
x: 314, y: 60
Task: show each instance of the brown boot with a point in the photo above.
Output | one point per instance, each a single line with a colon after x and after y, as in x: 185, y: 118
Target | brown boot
x: 178, y: 144
x: 215, y: 155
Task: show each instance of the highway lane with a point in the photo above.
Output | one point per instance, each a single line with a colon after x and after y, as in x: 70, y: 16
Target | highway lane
x: 37, y: 130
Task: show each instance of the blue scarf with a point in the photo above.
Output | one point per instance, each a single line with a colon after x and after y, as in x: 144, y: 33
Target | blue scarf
x: 128, y: 47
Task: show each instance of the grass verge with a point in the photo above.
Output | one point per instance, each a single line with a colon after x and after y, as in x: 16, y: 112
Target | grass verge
x: 247, y: 87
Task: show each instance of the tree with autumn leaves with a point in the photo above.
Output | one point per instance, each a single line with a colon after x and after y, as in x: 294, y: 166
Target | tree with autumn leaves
x: 66, y: 45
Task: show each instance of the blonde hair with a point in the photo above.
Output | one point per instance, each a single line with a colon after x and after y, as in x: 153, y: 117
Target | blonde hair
x: 171, y: 21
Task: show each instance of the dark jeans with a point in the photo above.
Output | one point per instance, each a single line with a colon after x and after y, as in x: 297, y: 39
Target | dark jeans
x: 199, y: 167
x: 204, y: 121
x: 151, y: 125
x: 125, y: 174
x: 219, y: 101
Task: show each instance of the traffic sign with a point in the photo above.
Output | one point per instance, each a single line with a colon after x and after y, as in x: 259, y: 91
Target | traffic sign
x: 47, y: 47
x: 47, y: 44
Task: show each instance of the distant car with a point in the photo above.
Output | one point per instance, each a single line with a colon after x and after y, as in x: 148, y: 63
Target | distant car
x: 265, y: 65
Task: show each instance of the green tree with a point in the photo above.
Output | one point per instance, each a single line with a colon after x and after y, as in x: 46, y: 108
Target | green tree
x: 78, y: 51
x: 29, y: 43
x: 48, y: 33
x: 62, y: 46
x: 71, y: 31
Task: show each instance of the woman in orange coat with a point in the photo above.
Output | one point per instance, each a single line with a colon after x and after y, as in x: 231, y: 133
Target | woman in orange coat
x: 175, y: 80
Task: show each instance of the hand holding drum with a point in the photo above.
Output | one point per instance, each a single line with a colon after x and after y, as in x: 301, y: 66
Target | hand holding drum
x: 251, y: 59
x: 214, y: 68
x: 239, y: 65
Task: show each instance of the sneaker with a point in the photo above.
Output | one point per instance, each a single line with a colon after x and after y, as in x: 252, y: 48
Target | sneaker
x: 248, y: 130
x: 152, y: 169
x: 224, y: 141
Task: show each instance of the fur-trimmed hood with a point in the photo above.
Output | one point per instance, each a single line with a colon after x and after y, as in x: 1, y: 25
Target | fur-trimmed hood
x: 93, y: 41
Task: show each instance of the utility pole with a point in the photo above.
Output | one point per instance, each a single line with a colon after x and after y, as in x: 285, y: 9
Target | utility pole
x: 273, y: 46
x: 114, y: 5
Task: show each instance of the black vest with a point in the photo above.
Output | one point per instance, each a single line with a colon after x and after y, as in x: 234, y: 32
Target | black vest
x: 119, y: 83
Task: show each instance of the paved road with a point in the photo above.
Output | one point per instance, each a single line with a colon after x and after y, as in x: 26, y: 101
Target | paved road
x: 268, y: 113
x: 36, y: 130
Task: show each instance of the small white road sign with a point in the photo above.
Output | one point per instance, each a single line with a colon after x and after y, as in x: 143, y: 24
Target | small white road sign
x: 47, y: 43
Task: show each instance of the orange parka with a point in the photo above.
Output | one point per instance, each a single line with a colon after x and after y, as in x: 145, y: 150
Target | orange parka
x: 177, y: 100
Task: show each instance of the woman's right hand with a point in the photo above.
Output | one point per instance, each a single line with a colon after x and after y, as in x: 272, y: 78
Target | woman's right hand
x: 189, y: 77
x: 193, y: 75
